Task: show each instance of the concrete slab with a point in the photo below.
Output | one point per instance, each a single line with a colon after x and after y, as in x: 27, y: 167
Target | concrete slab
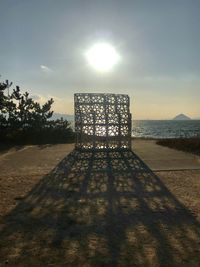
x: 39, y: 160
x: 32, y: 160
x: 163, y: 158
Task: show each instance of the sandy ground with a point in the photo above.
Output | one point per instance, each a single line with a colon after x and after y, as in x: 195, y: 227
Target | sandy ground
x: 185, y: 185
x: 23, y: 167
x: 95, y: 210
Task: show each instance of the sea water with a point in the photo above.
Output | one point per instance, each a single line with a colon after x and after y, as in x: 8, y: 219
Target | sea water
x: 165, y: 128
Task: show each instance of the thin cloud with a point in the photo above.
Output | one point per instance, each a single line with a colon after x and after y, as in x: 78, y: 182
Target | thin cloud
x: 60, y: 105
x: 45, y: 69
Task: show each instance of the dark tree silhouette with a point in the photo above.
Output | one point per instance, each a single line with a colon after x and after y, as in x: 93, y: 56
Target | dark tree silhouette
x: 23, y: 120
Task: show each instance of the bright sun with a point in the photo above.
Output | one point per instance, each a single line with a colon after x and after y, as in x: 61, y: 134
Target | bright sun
x: 102, y: 56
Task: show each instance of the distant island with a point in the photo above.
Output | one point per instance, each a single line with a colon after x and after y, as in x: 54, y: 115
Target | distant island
x: 64, y: 116
x: 181, y: 117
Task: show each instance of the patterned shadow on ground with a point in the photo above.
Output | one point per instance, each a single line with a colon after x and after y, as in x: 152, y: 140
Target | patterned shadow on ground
x: 100, y: 208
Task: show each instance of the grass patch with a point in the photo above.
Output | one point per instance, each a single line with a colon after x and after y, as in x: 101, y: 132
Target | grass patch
x: 191, y: 145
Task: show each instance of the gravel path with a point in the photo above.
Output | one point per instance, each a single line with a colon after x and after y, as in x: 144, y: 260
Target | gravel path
x: 95, y: 209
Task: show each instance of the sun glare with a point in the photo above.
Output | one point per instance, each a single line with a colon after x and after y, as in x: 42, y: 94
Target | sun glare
x: 102, y: 57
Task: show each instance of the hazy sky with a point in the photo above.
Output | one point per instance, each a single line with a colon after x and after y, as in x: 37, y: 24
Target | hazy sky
x: 43, y: 42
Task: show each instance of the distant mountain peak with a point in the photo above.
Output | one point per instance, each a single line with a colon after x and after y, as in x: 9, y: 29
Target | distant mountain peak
x: 181, y: 117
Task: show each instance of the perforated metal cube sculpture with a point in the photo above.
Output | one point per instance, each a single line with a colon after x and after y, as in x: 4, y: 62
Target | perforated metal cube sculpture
x: 102, y: 121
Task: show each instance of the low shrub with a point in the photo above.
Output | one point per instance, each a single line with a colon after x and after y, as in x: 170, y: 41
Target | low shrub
x: 191, y: 145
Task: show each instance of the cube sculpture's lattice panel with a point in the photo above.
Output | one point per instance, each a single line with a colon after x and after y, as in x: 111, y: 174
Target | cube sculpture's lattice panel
x: 102, y: 121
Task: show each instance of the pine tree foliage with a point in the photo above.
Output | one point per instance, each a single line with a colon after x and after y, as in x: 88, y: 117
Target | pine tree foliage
x: 23, y: 120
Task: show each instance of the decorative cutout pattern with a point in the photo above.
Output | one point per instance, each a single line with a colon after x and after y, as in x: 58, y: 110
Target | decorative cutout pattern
x: 102, y: 121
